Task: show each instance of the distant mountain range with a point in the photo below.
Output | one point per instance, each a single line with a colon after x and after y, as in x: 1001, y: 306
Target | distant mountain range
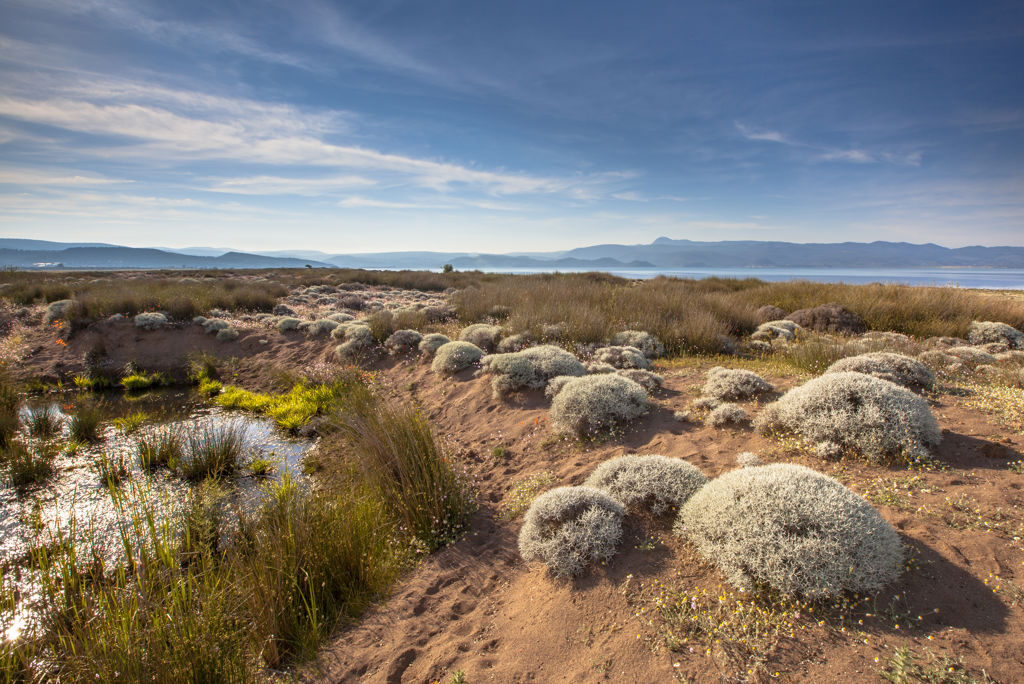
x: 663, y: 253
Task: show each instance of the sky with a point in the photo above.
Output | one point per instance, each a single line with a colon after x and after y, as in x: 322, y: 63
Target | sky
x: 378, y: 125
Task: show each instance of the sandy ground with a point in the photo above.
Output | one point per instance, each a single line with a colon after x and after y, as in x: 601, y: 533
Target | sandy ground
x: 476, y: 606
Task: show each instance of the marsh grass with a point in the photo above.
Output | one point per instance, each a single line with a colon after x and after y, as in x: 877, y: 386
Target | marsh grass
x: 211, y: 451
x: 112, y: 469
x: 10, y: 404
x: 296, y: 407
x: 103, y: 294
x: 84, y: 423
x: 393, y: 449
x: 690, y: 315
x: 140, y: 380
x: 43, y: 422
x: 130, y: 424
x: 29, y: 464
x: 160, y: 447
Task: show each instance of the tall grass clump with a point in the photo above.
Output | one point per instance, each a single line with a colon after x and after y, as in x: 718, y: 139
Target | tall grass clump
x: 165, y: 612
x: 10, y: 405
x: 310, y: 560
x: 43, y: 422
x: 211, y: 451
x: 394, y: 450
x: 160, y: 447
x: 792, y: 529
x: 84, y: 423
x: 29, y: 464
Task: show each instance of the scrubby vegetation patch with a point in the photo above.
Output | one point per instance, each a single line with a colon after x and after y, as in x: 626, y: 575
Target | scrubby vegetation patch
x: 455, y: 356
x: 792, y: 529
x: 654, y: 482
x: 594, y: 402
x: 530, y: 368
x: 874, y: 417
x: 896, y: 368
x: 568, y: 528
x: 734, y: 383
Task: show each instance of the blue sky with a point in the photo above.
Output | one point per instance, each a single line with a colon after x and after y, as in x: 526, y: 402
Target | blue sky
x: 526, y: 126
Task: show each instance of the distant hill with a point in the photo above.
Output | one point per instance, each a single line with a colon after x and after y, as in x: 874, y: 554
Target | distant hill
x: 113, y: 257
x: 663, y: 253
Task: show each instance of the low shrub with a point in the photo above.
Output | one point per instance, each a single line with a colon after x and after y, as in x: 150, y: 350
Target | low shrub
x: 896, y: 368
x: 727, y: 414
x: 781, y: 329
x: 403, y: 341
x: 514, y: 343
x: 874, y: 417
x: 557, y: 384
x: 734, y: 383
x: 530, y: 368
x: 985, y: 332
x: 212, y: 326
x: 58, y: 310
x: 359, y: 341
x: 432, y: 342
x: 831, y: 317
x: 286, y: 323
x: 653, y: 482
x: 318, y: 328
x: 648, y: 344
x: 651, y: 382
x: 482, y: 335
x: 970, y: 356
x: 795, y: 530
x: 227, y: 335
x: 455, y: 356
x: 596, y: 367
x: 748, y: 459
x: 568, y: 528
x: 594, y: 402
x: 150, y: 320
x: 622, y: 357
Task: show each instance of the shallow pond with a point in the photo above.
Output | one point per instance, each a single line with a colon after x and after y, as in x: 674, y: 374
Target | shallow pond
x: 77, y: 491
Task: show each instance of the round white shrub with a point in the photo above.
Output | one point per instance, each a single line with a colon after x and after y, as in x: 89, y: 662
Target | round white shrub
x: 782, y: 329
x: 622, y: 357
x: 150, y: 320
x: 227, y: 334
x: 593, y: 402
x: 431, y: 342
x: 215, y: 325
x: 654, y: 482
x: 358, y: 341
x: 513, y: 343
x: 595, y: 367
x: 570, y: 527
x: 971, y: 356
x: 530, y: 368
x: 903, y: 370
x: 287, y: 323
x: 727, y: 414
x: 875, y: 417
x: 341, y: 331
x: 748, y: 459
x: 651, y: 382
x: 318, y: 328
x: 341, y: 317
x: 644, y: 341
x: 57, y: 310
x: 734, y: 383
x: 985, y: 332
x: 403, y: 341
x: 557, y: 384
x: 482, y: 335
x: 454, y: 356
x: 793, y: 529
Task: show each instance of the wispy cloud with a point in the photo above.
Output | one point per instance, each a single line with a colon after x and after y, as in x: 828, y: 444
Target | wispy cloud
x: 12, y: 175
x: 356, y: 202
x: 826, y: 153
x: 278, y: 185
